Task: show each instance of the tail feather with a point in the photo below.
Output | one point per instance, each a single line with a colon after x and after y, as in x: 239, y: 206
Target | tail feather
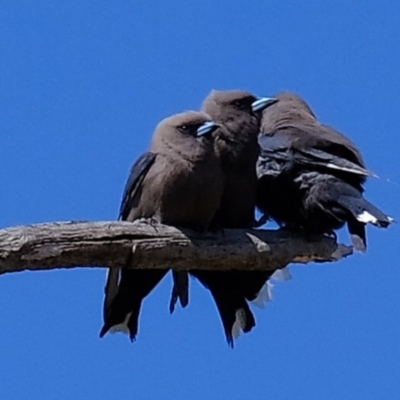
x: 282, y: 274
x: 122, y: 314
x: 357, y: 234
x: 111, y: 288
x: 362, y: 210
x: 342, y: 203
x: 244, y: 321
x: 235, y: 314
x: 361, y: 213
x: 230, y: 291
x: 265, y: 294
x: 180, y: 290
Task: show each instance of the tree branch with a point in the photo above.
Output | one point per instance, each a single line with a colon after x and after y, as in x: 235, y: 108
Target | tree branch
x: 101, y: 244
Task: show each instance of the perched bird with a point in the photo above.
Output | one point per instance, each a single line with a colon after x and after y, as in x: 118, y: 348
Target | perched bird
x: 177, y: 182
x: 235, y: 141
x: 310, y: 177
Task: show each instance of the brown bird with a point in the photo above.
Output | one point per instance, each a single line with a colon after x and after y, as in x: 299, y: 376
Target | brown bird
x: 177, y: 182
x: 311, y: 176
x: 235, y: 141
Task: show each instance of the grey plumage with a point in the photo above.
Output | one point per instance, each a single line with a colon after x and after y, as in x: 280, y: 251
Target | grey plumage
x: 177, y: 182
x: 310, y: 175
x: 238, y: 114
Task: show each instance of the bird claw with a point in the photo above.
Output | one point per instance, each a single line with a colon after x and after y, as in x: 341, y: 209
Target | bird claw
x: 151, y: 221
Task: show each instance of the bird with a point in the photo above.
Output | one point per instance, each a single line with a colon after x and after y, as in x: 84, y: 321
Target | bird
x: 177, y: 182
x: 310, y: 176
x: 238, y: 115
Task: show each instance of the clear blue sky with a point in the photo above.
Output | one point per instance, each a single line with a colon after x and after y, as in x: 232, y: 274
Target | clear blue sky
x: 83, y: 83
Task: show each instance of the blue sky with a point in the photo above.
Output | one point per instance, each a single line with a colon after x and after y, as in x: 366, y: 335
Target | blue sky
x: 83, y: 83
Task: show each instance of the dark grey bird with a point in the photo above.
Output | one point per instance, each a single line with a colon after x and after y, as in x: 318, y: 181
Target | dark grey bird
x: 235, y: 141
x: 177, y: 182
x: 310, y: 176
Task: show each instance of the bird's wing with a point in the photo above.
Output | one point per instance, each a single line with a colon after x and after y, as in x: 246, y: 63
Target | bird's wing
x: 287, y: 146
x: 136, y: 176
x: 275, y: 155
x: 319, y: 158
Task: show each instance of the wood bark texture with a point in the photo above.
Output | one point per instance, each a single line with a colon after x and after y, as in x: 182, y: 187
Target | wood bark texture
x: 54, y: 245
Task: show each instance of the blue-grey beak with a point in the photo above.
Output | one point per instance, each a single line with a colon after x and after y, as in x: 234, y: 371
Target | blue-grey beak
x: 262, y: 103
x: 205, y: 128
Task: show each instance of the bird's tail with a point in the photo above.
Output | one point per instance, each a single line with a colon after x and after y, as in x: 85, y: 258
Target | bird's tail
x: 180, y: 290
x: 264, y: 295
x: 342, y: 203
x: 362, y: 212
x: 111, y: 288
x: 121, y: 311
x: 230, y: 291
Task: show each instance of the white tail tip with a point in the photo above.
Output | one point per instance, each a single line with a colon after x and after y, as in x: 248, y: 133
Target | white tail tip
x: 123, y: 327
x: 366, y: 218
x: 239, y: 324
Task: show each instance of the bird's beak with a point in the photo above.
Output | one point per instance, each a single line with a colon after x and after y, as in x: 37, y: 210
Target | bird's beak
x: 206, y: 128
x: 262, y: 103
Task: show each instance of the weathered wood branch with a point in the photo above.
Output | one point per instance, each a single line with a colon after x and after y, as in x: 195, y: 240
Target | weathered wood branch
x: 101, y: 244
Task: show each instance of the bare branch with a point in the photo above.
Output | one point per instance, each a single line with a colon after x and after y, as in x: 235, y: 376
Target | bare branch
x: 100, y: 244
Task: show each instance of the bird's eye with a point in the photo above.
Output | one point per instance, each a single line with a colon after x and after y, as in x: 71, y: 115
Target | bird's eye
x: 187, y: 129
x: 239, y: 104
